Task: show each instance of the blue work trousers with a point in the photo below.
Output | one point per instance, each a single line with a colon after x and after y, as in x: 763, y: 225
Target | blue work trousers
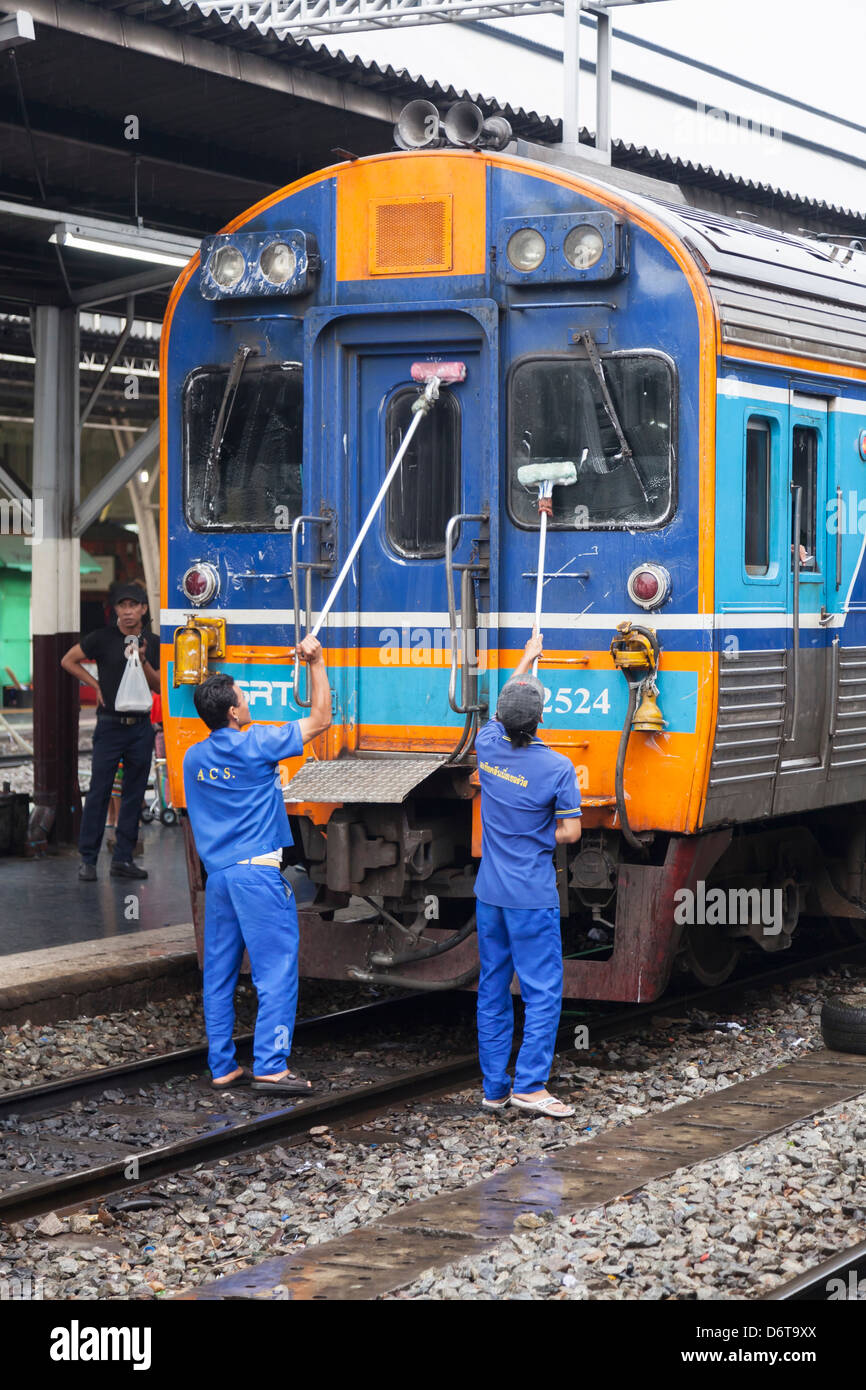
x: 113, y: 743
x: 249, y: 905
x: 528, y: 941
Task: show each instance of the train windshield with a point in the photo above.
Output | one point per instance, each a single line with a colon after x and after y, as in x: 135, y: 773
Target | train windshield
x: 252, y: 481
x: 560, y: 411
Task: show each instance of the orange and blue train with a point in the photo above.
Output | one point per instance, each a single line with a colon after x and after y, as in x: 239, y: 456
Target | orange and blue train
x: 704, y: 598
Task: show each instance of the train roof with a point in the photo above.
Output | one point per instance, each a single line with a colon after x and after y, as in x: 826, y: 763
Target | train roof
x: 772, y: 289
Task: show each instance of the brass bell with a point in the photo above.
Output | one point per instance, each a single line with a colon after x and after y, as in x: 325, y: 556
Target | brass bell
x: 648, y: 717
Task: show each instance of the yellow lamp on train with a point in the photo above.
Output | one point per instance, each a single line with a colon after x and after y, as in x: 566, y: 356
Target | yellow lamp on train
x: 202, y: 640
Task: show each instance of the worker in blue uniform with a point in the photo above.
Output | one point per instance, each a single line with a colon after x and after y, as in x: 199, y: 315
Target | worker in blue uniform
x: 530, y: 802
x: 238, y: 817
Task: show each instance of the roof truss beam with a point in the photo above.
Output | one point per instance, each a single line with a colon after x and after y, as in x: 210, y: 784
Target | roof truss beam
x: 222, y: 59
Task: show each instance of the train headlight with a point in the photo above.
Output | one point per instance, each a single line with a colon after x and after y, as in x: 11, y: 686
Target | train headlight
x: 258, y: 263
x: 526, y: 249
x: 562, y: 248
x: 583, y: 247
x: 649, y: 585
x: 227, y: 266
x: 278, y: 262
x: 200, y: 583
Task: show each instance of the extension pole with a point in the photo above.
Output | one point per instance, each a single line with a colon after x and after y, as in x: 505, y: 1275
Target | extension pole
x: 545, y: 493
x: 421, y: 408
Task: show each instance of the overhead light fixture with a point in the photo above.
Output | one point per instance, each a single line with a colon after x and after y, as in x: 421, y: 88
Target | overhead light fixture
x: 16, y: 29
x: 129, y: 244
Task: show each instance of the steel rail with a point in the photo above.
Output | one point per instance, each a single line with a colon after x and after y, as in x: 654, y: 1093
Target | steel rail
x: 812, y: 1286
x: 47, y: 1096
x: 293, y: 1122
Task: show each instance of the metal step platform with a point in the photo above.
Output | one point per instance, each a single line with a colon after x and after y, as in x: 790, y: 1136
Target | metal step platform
x: 353, y: 779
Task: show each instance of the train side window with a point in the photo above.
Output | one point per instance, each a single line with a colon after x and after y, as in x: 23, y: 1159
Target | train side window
x: 256, y: 484
x: 757, y: 529
x: 558, y: 412
x: 804, y: 474
x: 425, y: 494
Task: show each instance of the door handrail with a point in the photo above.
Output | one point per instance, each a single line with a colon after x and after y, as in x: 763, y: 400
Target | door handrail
x: 467, y: 568
x: 304, y: 702
x: 796, y: 494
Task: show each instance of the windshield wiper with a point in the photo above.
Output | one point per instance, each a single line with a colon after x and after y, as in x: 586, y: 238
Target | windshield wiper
x: 625, y: 449
x: 236, y: 371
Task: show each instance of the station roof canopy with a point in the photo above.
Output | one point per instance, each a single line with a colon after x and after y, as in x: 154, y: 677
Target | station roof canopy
x: 143, y: 108
x: 148, y: 109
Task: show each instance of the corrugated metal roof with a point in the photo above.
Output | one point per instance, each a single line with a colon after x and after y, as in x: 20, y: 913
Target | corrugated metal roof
x: 656, y: 164
x: 396, y: 82
x: 403, y: 85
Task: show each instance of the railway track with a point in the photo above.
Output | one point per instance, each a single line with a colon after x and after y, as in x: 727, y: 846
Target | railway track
x: 15, y: 759
x: 389, y: 1253
x: 832, y: 1280
x: 106, y: 1167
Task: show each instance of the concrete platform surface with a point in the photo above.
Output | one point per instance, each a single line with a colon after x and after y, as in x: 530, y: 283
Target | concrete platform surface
x: 93, y: 976
x: 44, y: 904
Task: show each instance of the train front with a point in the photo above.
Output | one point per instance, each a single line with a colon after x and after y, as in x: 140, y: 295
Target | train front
x: 293, y: 355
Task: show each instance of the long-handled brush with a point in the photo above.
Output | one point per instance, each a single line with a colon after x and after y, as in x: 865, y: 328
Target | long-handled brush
x: 432, y: 375
x: 546, y: 476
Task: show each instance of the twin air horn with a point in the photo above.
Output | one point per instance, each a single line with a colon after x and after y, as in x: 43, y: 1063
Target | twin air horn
x: 420, y: 127
x: 431, y: 375
x: 545, y: 476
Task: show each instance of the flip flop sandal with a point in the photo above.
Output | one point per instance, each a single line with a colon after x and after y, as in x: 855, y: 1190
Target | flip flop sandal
x: 242, y: 1080
x: 550, y: 1106
x: 290, y: 1085
x: 501, y: 1104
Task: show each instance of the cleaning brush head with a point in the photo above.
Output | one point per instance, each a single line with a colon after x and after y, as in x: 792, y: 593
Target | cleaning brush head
x: 562, y: 472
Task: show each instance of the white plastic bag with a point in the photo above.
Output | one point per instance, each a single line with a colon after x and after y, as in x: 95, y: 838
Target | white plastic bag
x: 133, y: 694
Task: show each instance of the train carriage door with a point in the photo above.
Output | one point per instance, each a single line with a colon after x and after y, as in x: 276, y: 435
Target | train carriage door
x: 395, y: 605
x: 809, y: 558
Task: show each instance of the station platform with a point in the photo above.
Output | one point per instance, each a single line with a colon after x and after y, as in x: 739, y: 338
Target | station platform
x: 68, y: 947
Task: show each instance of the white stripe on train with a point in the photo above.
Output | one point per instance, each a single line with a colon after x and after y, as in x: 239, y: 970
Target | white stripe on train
x: 559, y: 622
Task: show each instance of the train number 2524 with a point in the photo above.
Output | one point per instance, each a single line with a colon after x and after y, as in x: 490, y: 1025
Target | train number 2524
x: 569, y: 701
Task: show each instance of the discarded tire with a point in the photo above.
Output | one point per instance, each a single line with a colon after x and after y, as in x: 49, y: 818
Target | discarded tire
x: 843, y: 1023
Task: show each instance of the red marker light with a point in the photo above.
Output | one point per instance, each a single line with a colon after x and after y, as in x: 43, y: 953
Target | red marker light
x: 195, y: 584
x: 646, y: 585
x: 649, y: 585
x: 200, y: 583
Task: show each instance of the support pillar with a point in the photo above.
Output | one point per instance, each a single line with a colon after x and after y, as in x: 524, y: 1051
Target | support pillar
x: 55, y: 605
x: 603, y: 85
x: 571, y: 76
x: 571, y: 12
x: 144, y: 512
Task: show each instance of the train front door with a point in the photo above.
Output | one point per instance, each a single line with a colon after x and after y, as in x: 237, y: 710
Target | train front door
x: 809, y: 560
x: 405, y: 696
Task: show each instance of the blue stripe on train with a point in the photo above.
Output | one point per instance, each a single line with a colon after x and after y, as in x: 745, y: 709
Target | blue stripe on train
x: 401, y: 695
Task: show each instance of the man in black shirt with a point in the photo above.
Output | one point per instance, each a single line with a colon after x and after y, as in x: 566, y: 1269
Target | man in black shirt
x: 126, y: 738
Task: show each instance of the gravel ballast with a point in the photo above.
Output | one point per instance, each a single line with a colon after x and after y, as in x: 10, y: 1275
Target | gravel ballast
x: 719, y: 1229
x: 732, y: 1227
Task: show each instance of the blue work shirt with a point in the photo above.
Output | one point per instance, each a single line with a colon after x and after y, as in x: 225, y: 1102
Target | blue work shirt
x: 233, y: 792
x: 524, y: 791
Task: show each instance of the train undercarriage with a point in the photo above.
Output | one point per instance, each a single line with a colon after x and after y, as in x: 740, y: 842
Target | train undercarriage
x: 391, y: 894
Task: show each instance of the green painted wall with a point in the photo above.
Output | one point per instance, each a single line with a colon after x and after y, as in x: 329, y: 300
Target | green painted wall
x: 14, y: 625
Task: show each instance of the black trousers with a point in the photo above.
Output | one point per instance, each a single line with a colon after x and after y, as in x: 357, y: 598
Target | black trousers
x: 114, y: 742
